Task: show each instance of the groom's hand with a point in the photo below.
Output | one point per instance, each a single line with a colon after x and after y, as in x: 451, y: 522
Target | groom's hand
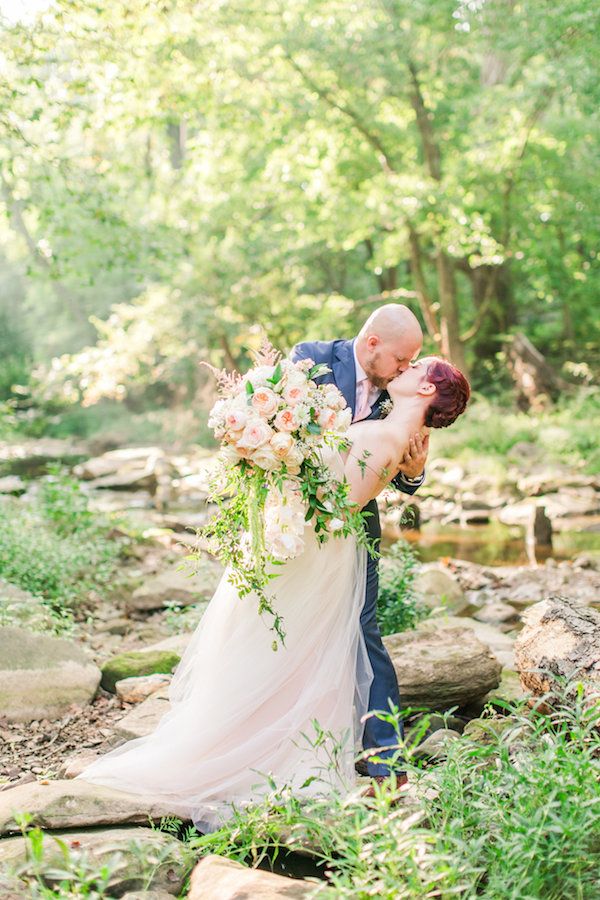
x: 415, y: 456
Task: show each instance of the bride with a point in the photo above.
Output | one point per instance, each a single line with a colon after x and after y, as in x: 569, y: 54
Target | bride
x: 243, y: 718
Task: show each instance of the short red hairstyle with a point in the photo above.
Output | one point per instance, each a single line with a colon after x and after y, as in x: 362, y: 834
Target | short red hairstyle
x: 451, y: 395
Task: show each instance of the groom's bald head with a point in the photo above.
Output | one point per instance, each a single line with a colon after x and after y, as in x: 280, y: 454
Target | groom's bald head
x: 388, y: 341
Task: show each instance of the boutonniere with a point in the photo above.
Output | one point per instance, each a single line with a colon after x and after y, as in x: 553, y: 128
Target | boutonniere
x: 385, y: 408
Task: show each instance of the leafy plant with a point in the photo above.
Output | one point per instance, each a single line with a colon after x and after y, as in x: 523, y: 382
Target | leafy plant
x: 398, y: 607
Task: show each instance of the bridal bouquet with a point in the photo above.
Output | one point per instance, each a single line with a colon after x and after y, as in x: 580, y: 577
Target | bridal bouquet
x: 273, y: 423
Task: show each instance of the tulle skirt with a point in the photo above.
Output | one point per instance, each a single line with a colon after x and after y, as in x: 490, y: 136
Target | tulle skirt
x: 242, y: 714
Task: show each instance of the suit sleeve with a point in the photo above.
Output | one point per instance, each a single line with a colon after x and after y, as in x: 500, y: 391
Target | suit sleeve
x: 300, y: 351
x: 408, y: 485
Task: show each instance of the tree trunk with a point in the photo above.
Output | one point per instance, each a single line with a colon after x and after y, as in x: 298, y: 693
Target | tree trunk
x: 559, y: 643
x: 452, y: 346
x: 536, y: 383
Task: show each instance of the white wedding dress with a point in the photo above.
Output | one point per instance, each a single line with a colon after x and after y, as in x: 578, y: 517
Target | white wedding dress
x: 240, y: 711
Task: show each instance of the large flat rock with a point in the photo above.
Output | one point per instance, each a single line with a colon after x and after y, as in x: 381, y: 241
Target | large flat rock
x: 217, y: 878
x: 144, y: 717
x: 138, y: 857
x: 42, y: 676
x: 76, y: 804
x: 440, y: 668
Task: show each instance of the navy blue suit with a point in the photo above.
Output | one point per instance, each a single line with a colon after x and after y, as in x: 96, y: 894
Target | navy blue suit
x: 339, y: 356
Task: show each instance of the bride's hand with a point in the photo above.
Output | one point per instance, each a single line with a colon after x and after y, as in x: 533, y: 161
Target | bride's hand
x: 415, y: 456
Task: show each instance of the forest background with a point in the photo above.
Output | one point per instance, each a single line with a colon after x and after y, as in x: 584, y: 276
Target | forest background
x: 177, y: 176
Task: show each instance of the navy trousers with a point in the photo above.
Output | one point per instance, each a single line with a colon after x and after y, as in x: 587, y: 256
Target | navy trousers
x: 384, y: 689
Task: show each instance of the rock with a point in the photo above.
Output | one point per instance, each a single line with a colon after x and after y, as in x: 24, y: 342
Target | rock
x: 138, y: 688
x: 127, y: 467
x: 12, y: 484
x: 119, y: 626
x: 572, y: 502
x: 77, y: 804
x: 137, y: 857
x: 20, y: 608
x: 499, y: 643
x: 510, y: 690
x: 552, y: 481
x: 73, y: 765
x: 144, y: 717
x: 496, y: 613
x: 30, y: 456
x: 174, y: 585
x: 560, y: 641
x: 488, y: 730
x: 42, y: 676
x: 137, y: 662
x: 441, y: 668
x: 217, y: 878
x: 517, y: 513
x: 436, y: 586
x: 146, y: 895
x: 434, y: 746
x: 538, y: 533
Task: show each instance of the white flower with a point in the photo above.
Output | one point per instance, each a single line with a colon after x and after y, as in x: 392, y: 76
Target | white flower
x: 255, y: 434
x: 335, y: 525
x: 265, y: 458
x: 343, y: 419
x: 265, y: 402
x: 259, y: 375
x: 281, y: 444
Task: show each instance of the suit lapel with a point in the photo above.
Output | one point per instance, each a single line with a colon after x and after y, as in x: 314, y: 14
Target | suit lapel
x: 376, y: 408
x: 344, y: 371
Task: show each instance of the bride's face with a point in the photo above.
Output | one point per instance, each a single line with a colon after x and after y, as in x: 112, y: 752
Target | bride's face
x: 412, y: 381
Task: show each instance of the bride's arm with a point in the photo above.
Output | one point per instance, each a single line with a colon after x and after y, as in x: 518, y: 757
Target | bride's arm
x: 367, y: 467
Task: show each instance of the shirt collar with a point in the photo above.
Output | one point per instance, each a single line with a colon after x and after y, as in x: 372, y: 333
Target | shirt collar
x: 360, y: 372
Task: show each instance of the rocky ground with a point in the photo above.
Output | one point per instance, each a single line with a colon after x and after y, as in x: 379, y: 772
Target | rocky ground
x: 64, y: 700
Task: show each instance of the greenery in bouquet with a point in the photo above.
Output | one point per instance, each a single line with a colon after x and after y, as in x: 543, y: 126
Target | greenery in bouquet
x: 273, y: 482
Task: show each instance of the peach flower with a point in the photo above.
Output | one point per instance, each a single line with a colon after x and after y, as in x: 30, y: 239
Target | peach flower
x: 285, y: 420
x: 265, y: 401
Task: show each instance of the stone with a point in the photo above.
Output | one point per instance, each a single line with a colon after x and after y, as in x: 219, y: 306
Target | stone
x: 500, y: 643
x: 583, y: 501
x: 496, y: 612
x: 137, y: 857
x: 30, y: 456
x: 137, y: 662
x: 434, y: 746
x: 146, y: 895
x: 73, y: 765
x: 440, y: 668
x: 217, y: 878
x: 144, y: 717
x: 76, y: 803
x: 138, y: 688
x: 510, y: 690
x: 436, y: 586
x: 12, y: 484
x: 42, y: 676
x: 560, y: 642
x: 174, y: 585
x: 20, y: 608
x: 488, y: 730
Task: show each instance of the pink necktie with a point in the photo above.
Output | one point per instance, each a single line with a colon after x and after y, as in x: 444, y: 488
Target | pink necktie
x: 363, y: 407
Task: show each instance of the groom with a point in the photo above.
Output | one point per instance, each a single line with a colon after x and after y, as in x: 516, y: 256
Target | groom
x: 361, y: 368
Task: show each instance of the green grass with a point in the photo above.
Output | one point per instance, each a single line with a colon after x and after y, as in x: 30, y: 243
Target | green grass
x: 515, y: 816
x: 54, y: 546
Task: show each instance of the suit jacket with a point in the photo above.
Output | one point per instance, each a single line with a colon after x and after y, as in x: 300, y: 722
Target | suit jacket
x: 339, y: 356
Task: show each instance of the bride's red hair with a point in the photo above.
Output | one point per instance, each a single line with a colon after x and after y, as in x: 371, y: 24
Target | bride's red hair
x: 451, y: 395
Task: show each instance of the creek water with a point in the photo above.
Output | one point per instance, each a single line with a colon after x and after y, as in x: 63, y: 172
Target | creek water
x: 494, y: 544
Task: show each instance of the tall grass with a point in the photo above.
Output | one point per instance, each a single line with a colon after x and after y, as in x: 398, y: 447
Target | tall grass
x: 513, y: 817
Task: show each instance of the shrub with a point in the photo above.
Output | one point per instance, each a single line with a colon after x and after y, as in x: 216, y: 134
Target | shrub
x: 54, y: 546
x: 398, y: 608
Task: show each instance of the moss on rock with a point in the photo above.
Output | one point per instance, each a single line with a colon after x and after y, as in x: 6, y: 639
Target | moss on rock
x: 137, y: 662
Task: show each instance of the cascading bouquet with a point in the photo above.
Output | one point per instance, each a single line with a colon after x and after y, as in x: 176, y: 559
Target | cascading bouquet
x: 272, y: 481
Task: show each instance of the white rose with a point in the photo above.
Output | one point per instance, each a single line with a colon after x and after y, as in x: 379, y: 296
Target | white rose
x: 281, y: 444
x: 265, y: 458
x: 265, y: 402
x: 255, y: 434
